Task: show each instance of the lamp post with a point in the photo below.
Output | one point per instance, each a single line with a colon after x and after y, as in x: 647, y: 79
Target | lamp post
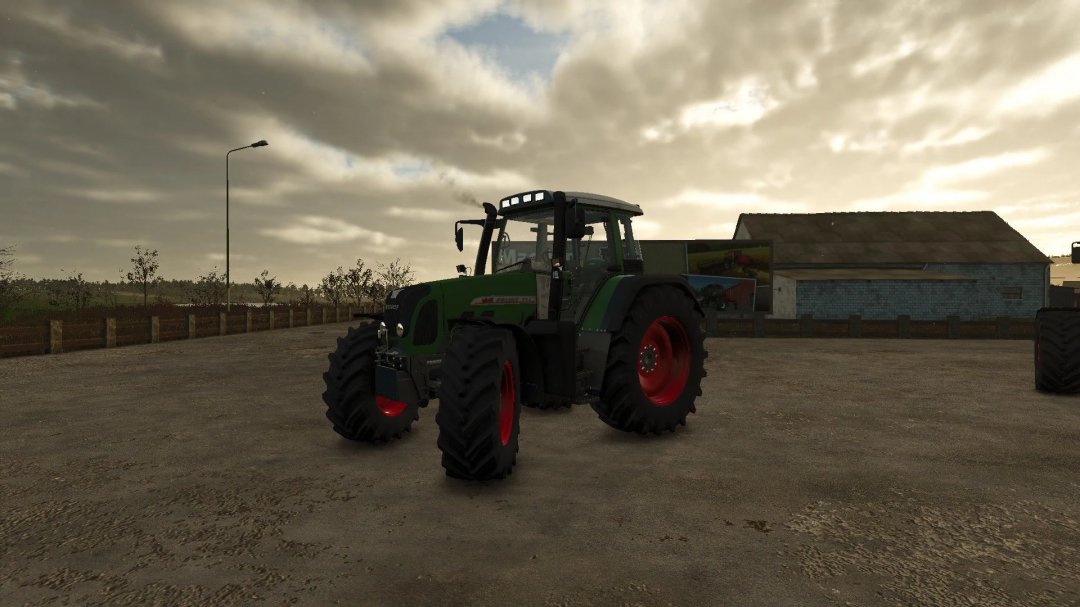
x: 228, y: 280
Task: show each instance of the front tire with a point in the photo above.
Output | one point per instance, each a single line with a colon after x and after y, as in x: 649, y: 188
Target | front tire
x: 655, y: 364
x: 479, y: 404
x: 350, y: 392
x: 1057, y: 351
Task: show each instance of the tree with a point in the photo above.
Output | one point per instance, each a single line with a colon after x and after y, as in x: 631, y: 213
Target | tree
x: 73, y: 293
x: 390, y: 278
x: 144, y: 269
x: 209, y: 289
x: 303, y: 297
x: 333, y: 286
x: 358, y: 281
x: 268, y: 288
x: 107, y: 291
x: 12, y: 284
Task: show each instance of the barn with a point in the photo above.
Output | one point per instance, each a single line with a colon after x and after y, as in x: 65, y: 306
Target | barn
x: 880, y: 265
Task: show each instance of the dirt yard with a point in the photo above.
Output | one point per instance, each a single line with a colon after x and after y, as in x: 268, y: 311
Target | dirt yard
x: 816, y: 472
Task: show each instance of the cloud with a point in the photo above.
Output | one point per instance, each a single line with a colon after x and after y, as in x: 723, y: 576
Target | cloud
x: 6, y: 168
x: 1045, y: 91
x: 270, y: 32
x: 16, y: 89
x: 116, y: 196
x: 122, y: 243
x: 441, y: 215
x: 919, y: 200
x: 939, y: 139
x: 325, y: 230
x: 982, y: 167
x: 59, y: 24
x: 394, y: 171
x: 743, y: 202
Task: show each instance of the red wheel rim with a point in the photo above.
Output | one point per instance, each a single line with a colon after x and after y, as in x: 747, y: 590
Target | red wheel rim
x: 390, y: 408
x: 506, y: 403
x: 664, y: 360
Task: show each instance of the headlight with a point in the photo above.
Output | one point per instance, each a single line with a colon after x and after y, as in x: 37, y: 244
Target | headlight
x: 382, y: 330
x: 400, y: 330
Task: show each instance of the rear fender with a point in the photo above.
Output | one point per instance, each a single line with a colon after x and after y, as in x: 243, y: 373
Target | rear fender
x: 626, y: 291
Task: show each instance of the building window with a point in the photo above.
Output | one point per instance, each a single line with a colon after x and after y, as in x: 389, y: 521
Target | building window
x: 1012, y: 293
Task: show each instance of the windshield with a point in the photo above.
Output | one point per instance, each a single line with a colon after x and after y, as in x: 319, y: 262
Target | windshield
x: 525, y: 242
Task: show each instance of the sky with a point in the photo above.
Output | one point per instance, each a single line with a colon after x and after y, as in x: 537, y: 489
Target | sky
x: 387, y: 120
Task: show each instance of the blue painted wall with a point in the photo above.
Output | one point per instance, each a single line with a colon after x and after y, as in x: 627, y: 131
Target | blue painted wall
x: 931, y: 300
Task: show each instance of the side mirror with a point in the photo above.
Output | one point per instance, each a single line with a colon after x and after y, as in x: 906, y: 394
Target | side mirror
x: 1076, y: 252
x: 461, y: 267
x: 459, y: 237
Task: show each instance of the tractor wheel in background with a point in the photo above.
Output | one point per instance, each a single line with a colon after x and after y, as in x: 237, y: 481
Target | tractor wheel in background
x: 350, y: 392
x: 479, y: 404
x: 655, y: 364
x: 1057, y: 350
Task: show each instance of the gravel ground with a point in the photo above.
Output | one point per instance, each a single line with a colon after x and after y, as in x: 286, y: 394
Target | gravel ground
x: 816, y: 472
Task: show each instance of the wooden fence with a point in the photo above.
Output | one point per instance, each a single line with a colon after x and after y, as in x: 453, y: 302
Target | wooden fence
x: 56, y: 337
x: 903, y: 327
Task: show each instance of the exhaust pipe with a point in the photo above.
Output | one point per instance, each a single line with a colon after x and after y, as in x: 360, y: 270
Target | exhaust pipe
x: 485, y: 238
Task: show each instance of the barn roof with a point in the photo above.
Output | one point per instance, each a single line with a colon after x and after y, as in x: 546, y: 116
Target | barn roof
x: 889, y: 237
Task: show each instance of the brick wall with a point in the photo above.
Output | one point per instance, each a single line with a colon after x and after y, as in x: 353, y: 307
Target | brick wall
x: 930, y: 300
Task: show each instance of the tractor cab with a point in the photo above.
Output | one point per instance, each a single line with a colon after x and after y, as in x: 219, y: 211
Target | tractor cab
x: 598, y: 236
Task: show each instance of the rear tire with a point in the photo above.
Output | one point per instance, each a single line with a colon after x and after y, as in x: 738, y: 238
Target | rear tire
x: 479, y: 404
x: 655, y: 364
x: 350, y: 391
x: 1057, y: 350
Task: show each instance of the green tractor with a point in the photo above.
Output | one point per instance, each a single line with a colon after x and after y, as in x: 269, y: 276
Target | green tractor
x: 566, y: 316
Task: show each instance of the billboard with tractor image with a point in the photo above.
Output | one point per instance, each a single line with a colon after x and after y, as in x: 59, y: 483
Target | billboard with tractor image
x: 729, y: 276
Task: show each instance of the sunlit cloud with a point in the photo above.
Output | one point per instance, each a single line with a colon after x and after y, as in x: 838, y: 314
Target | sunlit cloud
x: 734, y: 201
x: 1044, y: 92
x: 919, y: 200
x: 325, y: 230
x: 982, y: 167
x: 939, y: 139
x: 421, y: 214
x: 270, y: 32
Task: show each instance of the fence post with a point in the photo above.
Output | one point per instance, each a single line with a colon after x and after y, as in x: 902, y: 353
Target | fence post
x: 155, y: 330
x: 222, y: 321
x: 248, y: 315
x: 759, y: 325
x: 903, y: 326
x: 308, y: 323
x: 108, y: 331
x: 807, y: 325
x: 290, y: 318
x: 191, y: 326
x: 854, y: 325
x: 56, y: 336
x: 271, y: 319
x: 1003, y: 327
x: 324, y: 315
x: 953, y: 325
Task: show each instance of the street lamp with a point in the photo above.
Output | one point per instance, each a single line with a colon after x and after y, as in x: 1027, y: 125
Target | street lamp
x: 228, y: 281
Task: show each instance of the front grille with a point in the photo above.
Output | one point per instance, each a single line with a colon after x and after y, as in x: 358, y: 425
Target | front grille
x: 427, y: 324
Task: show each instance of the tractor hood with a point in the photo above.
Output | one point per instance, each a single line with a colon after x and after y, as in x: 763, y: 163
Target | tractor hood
x: 425, y: 310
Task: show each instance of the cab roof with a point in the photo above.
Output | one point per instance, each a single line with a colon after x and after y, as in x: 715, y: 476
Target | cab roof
x: 532, y: 200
